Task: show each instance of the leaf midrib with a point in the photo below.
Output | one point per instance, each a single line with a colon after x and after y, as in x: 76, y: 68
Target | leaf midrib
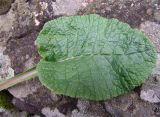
x: 103, y: 54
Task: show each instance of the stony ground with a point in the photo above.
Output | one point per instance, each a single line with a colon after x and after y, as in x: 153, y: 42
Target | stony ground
x: 20, y: 23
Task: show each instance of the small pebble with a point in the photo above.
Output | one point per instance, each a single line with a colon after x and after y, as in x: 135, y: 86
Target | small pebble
x: 149, y: 11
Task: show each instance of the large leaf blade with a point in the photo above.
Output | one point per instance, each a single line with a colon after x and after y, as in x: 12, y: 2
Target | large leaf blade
x: 92, y: 57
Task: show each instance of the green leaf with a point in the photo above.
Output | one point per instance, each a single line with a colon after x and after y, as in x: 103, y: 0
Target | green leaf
x: 92, y: 57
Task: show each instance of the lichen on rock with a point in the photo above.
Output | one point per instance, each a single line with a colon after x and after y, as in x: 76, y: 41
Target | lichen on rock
x: 6, y: 71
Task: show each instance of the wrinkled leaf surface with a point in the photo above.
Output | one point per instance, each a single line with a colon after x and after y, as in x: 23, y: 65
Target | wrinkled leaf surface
x: 93, y: 57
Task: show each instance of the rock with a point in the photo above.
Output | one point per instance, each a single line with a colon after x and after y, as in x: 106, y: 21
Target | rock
x: 6, y: 22
x: 89, y: 109
x: 157, y: 15
x: 67, y: 7
x: 22, y: 19
x: 32, y: 94
x: 49, y: 113
x: 31, y: 87
x: 129, y: 105
x: 149, y: 11
x: 14, y: 113
x: 18, y: 30
x: 134, y: 11
x: 150, y: 90
x: 152, y: 30
x: 6, y: 71
x: 150, y: 95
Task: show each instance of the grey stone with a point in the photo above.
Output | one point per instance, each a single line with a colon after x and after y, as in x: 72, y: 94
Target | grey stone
x: 50, y: 113
x: 157, y: 15
x: 19, y: 29
x: 152, y: 30
x: 29, y: 87
x: 150, y: 90
x: 133, y: 12
x: 89, y: 109
x: 129, y: 105
x: 14, y: 114
x: 6, y: 71
x: 67, y: 7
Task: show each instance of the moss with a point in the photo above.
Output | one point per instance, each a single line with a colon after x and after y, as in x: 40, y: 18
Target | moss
x: 5, y: 100
x: 3, y: 2
x: 5, y: 5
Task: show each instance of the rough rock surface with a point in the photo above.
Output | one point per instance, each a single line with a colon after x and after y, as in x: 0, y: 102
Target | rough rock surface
x: 150, y: 90
x: 6, y: 71
x: 66, y: 7
x: 133, y: 12
x: 19, y: 27
x: 90, y: 109
x: 130, y: 105
x: 50, y: 113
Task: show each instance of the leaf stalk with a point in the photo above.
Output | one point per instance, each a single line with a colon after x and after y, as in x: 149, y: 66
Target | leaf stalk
x: 31, y: 73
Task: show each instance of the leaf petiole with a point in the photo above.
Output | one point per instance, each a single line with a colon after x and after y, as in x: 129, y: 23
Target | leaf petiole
x: 31, y: 73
